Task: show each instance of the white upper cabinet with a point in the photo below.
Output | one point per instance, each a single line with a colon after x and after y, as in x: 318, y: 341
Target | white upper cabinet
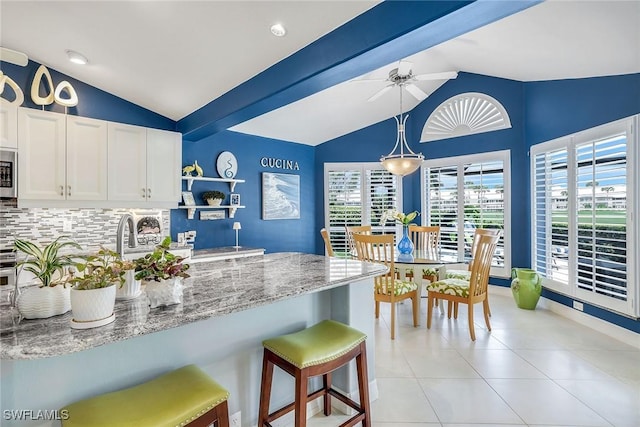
x: 164, y: 162
x: 86, y: 159
x: 61, y: 157
x: 41, y: 155
x: 8, y: 125
x: 144, y: 165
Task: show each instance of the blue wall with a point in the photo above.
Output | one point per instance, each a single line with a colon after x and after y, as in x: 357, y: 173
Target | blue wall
x: 295, y: 235
x: 92, y: 102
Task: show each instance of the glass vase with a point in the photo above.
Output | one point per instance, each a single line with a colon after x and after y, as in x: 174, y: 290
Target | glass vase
x: 405, y: 245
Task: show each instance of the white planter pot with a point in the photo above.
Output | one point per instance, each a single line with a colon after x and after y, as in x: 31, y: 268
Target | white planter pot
x: 92, y: 307
x: 214, y: 202
x: 40, y: 303
x: 131, y: 288
x: 164, y: 292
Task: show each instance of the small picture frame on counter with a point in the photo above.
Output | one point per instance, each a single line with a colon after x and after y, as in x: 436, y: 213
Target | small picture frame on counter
x: 234, y: 199
x: 187, y: 198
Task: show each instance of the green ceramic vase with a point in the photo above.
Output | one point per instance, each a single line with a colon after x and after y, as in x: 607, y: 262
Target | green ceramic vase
x: 526, y: 287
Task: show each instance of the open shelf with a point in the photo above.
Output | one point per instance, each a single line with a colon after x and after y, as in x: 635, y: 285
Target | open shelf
x: 191, y: 210
x: 190, y: 179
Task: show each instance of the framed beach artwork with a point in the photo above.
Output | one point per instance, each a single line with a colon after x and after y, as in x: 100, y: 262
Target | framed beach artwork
x: 280, y: 196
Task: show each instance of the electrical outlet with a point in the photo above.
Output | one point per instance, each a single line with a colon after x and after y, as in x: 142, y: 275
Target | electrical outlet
x: 578, y: 305
x: 67, y: 226
x: 190, y: 236
x: 234, y: 420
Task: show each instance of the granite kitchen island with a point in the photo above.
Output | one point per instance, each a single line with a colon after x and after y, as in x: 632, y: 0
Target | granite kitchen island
x: 229, y: 307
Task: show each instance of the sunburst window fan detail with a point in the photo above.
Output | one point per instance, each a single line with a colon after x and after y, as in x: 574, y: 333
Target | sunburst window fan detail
x: 465, y: 114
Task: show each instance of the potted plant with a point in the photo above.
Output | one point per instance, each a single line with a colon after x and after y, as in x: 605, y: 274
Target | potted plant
x: 51, y: 297
x: 93, y: 291
x: 161, y: 273
x: 213, y: 198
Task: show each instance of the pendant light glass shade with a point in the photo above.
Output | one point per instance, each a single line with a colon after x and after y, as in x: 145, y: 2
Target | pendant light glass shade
x: 401, y: 163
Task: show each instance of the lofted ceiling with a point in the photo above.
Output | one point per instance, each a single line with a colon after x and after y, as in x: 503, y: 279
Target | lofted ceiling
x: 174, y: 57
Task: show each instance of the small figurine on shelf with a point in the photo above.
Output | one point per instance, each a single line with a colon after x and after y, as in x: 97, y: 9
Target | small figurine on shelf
x: 188, y: 170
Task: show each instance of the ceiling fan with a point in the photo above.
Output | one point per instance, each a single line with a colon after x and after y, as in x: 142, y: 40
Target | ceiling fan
x: 403, y: 76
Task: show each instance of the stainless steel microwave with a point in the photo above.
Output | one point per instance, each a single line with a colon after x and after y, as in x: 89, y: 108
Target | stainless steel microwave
x: 8, y: 174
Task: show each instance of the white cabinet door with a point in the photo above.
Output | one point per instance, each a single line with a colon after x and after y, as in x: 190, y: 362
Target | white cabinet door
x: 86, y: 159
x: 127, y: 162
x: 164, y: 162
x: 41, y: 155
x: 8, y: 125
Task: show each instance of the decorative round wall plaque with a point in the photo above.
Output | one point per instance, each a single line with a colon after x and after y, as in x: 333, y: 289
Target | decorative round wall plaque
x: 227, y: 165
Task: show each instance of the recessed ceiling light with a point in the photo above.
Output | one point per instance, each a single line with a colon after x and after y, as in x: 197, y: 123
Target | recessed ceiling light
x: 278, y: 30
x: 77, y: 58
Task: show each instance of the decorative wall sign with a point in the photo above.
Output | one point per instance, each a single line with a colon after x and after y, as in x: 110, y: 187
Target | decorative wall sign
x: 234, y: 199
x: 280, y: 196
x: 271, y: 162
x: 187, y: 198
x: 227, y: 165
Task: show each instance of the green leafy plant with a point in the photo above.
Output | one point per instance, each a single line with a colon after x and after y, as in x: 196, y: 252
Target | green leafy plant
x: 45, y: 263
x: 215, y: 194
x: 160, y: 264
x: 399, y: 217
x: 100, y: 270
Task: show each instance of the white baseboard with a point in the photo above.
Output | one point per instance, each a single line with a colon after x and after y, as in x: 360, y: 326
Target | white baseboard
x: 607, y: 328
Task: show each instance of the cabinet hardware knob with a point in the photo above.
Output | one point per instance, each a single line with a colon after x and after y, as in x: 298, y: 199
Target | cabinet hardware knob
x: 69, y: 190
x: 62, y: 190
x: 149, y: 193
x: 144, y: 194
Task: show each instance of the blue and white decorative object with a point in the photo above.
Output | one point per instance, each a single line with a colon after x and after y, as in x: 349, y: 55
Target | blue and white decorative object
x: 227, y: 165
x: 405, y: 245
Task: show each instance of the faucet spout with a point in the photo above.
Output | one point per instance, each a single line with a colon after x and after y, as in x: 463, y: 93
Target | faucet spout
x: 127, y: 219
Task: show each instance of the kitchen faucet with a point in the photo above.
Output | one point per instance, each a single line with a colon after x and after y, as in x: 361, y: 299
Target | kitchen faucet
x: 126, y: 219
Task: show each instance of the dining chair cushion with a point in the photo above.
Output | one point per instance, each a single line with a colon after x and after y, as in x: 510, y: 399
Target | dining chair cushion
x: 320, y: 343
x: 450, y: 287
x: 400, y: 287
x: 459, y: 274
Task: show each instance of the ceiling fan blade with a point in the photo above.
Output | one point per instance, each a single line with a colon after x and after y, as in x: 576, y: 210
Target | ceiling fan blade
x: 13, y: 56
x: 404, y: 68
x: 379, y: 93
x: 437, y: 76
x: 368, y: 80
x: 415, y: 91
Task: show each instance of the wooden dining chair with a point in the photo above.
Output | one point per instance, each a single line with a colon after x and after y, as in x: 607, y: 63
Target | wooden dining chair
x: 350, y: 230
x: 468, y: 292
x: 388, y: 288
x: 327, y: 242
x: 426, y: 240
x: 466, y: 274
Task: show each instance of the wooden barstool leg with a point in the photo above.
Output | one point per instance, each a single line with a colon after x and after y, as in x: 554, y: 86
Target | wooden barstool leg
x: 363, y: 384
x: 302, y: 380
x: 326, y: 379
x: 265, y: 388
x: 222, y: 414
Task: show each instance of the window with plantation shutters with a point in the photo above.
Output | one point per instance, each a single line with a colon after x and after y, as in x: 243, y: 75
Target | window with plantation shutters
x: 464, y: 193
x: 358, y: 194
x: 584, y: 217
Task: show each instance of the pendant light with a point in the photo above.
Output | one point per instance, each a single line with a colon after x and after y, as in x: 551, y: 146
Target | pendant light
x: 402, y: 163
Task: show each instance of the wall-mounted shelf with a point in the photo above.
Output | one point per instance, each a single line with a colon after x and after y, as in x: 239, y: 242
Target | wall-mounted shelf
x: 191, y: 210
x: 190, y: 179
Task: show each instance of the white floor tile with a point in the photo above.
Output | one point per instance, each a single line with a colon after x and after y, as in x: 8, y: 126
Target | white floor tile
x: 500, y: 364
x: 562, y: 364
x: 403, y: 401
x: 624, y: 365
x: 545, y: 402
x: 467, y: 401
x: 438, y: 363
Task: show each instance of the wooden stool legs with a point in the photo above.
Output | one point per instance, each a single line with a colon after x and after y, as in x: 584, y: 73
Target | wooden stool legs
x: 302, y: 397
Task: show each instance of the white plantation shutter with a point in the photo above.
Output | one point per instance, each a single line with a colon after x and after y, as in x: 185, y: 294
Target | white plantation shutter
x: 602, y: 233
x: 584, y: 210
x: 468, y: 192
x: 358, y: 194
x: 550, y: 218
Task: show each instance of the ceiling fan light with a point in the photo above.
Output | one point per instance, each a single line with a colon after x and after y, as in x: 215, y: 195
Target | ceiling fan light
x: 278, y: 30
x: 77, y: 58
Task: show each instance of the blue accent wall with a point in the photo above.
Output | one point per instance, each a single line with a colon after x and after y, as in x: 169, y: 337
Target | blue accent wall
x: 92, y: 102
x: 293, y: 235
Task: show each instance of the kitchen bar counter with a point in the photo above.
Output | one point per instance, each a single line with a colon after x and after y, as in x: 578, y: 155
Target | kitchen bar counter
x: 214, y: 289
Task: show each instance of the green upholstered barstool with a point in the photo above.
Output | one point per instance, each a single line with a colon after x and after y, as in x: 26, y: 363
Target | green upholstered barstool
x: 184, y: 397
x: 318, y: 350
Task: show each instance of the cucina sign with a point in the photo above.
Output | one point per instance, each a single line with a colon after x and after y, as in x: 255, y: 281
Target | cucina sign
x: 272, y: 162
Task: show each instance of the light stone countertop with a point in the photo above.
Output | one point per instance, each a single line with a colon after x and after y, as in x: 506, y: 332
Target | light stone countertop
x: 215, y: 288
